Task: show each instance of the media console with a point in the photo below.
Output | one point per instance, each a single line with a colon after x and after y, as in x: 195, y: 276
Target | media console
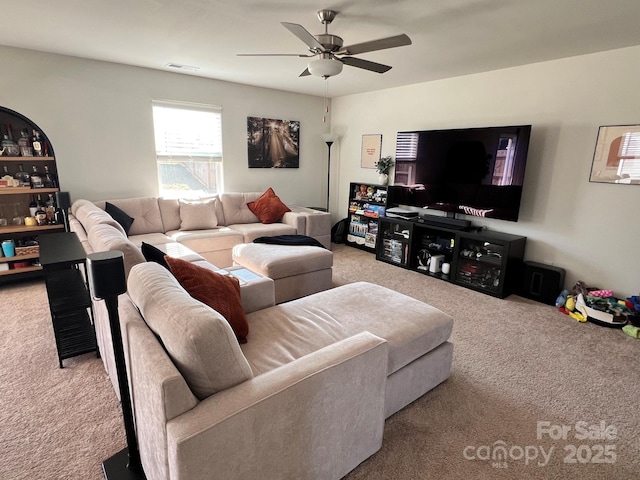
x: 446, y: 222
x: 487, y: 261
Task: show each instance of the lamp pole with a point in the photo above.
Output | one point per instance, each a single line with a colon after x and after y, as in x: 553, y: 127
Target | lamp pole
x: 330, y: 139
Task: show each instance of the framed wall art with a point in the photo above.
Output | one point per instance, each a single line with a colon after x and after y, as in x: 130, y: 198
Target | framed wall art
x: 370, y: 154
x: 616, y: 158
x: 273, y: 143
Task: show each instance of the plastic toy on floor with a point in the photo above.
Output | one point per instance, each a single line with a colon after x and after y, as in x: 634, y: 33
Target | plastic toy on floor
x: 573, y: 306
x: 632, y: 331
x: 562, y: 298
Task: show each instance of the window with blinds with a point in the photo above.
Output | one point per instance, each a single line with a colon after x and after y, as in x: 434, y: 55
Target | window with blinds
x: 406, y: 155
x: 188, y: 140
x: 406, y: 146
x: 629, y: 156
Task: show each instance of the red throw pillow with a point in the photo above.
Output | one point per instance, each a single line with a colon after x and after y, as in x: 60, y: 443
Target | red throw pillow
x: 220, y: 292
x: 268, y: 208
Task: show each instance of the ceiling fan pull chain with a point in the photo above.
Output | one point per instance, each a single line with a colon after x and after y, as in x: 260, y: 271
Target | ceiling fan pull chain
x: 326, y: 100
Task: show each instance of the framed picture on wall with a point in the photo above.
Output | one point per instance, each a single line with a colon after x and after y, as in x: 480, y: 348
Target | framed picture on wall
x: 370, y: 154
x: 273, y: 143
x: 616, y: 158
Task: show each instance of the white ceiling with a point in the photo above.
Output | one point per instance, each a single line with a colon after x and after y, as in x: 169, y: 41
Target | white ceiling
x: 450, y: 38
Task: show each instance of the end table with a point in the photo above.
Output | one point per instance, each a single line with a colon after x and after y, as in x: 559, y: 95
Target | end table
x: 62, y: 257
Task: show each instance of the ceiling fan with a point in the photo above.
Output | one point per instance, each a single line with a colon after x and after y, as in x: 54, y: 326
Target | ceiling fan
x: 330, y: 52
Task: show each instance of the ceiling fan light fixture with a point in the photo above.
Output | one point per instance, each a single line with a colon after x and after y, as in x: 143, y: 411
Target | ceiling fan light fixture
x: 325, y: 67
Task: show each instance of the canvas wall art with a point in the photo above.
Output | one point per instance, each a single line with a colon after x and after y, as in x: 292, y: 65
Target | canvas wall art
x: 273, y: 143
x: 616, y: 158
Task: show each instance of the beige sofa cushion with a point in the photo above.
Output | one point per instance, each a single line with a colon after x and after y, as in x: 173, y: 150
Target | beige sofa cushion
x: 236, y: 209
x: 170, y: 212
x: 89, y: 214
x: 251, y: 231
x: 145, y: 212
x: 77, y: 204
x: 222, y: 238
x: 279, y: 261
x: 197, y: 338
x: 198, y: 215
x: 105, y: 238
x: 291, y: 330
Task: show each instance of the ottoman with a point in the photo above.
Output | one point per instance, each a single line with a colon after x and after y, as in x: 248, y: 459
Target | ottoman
x: 296, y: 270
x: 256, y: 292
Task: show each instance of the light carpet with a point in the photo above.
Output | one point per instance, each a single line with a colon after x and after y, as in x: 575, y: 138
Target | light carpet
x: 523, y: 373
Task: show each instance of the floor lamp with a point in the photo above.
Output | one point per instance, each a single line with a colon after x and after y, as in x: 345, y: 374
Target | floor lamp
x: 329, y: 139
x: 106, y: 282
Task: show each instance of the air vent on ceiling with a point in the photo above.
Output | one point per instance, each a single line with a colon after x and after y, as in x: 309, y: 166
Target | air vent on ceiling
x: 178, y: 66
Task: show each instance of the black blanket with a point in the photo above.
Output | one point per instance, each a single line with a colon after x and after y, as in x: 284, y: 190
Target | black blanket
x: 289, y: 240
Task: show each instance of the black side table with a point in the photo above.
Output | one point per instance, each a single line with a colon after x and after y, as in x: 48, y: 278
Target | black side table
x: 61, y: 257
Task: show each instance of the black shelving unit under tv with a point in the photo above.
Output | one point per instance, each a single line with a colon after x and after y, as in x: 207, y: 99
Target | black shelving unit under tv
x: 487, y: 261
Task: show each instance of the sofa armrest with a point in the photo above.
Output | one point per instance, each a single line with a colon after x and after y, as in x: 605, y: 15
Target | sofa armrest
x: 296, y: 220
x: 316, y: 417
x: 317, y: 224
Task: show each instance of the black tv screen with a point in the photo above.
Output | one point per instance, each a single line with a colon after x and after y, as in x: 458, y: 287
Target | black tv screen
x: 471, y: 171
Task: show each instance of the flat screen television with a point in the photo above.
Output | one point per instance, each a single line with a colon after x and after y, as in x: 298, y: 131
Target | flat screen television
x: 471, y: 171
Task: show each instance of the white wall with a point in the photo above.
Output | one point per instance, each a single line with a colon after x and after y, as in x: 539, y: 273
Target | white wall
x: 590, y: 229
x: 98, y: 118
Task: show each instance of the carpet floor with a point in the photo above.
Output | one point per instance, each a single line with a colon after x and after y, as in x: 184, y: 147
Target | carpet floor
x: 533, y: 394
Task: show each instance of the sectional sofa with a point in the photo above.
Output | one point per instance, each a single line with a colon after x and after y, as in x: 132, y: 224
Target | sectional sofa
x: 204, y: 232
x: 159, y: 221
x: 305, y: 397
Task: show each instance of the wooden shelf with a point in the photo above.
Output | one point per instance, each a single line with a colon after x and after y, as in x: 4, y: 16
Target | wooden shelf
x: 20, y: 190
x: 19, y: 258
x: 16, y: 271
x: 26, y: 229
x: 26, y: 159
x: 15, y: 201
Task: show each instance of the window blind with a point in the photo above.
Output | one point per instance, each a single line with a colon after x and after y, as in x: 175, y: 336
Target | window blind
x: 630, y: 155
x: 406, y: 146
x: 186, y: 131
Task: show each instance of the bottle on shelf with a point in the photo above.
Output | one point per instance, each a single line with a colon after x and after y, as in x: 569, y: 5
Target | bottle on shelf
x: 36, y: 143
x: 5, y: 171
x: 23, y: 177
x: 9, y: 147
x: 49, y: 180
x: 41, y: 213
x: 51, y: 210
x: 26, y: 150
x: 10, y: 131
x: 37, y: 179
x: 33, y: 206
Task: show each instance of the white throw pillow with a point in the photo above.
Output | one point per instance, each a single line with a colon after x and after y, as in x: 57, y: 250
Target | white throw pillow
x: 198, y: 215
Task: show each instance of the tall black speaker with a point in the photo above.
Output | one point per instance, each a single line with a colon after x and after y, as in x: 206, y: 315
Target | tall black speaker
x: 63, y: 202
x: 541, y: 282
x: 107, y: 281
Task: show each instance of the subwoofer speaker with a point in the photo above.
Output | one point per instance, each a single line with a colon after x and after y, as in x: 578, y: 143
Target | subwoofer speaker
x: 541, y: 282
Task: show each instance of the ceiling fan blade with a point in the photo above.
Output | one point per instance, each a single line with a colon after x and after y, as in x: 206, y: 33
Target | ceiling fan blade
x: 306, y: 73
x: 300, y: 32
x: 374, y: 45
x: 365, y: 64
x: 273, y: 55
